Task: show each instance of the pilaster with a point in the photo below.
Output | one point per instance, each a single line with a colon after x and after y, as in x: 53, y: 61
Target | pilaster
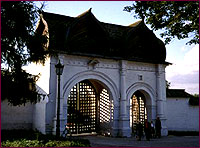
x: 124, y: 128
x: 51, y: 105
x: 161, y: 98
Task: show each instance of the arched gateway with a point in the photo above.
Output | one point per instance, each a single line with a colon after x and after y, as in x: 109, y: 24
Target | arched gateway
x: 89, y: 108
x: 114, y: 76
x: 96, y: 96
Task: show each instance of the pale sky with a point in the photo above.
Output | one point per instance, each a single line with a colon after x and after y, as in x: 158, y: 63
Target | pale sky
x: 183, y: 74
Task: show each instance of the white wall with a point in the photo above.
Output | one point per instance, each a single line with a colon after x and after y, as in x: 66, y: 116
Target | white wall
x: 28, y: 116
x: 181, y: 116
x: 39, y: 113
x: 40, y: 109
x: 43, y: 71
x: 16, y: 117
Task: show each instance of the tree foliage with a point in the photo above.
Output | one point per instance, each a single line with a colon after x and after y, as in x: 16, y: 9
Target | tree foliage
x: 168, y: 84
x: 20, y: 45
x: 179, y: 18
x: 18, y: 87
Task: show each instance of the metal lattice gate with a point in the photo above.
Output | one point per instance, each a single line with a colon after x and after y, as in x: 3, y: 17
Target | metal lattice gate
x: 138, y: 112
x: 82, y: 107
x: 106, y: 108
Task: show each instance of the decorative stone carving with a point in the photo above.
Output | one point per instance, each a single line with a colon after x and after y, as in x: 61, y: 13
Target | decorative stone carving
x: 92, y: 64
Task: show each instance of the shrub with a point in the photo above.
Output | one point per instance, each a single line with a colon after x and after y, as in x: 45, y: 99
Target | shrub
x: 36, y: 139
x: 22, y: 143
x: 58, y: 144
x: 50, y: 143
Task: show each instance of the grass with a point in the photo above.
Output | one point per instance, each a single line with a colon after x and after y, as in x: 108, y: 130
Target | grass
x: 24, y: 138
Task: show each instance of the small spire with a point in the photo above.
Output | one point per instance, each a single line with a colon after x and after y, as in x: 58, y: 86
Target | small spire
x: 136, y: 23
x: 86, y: 12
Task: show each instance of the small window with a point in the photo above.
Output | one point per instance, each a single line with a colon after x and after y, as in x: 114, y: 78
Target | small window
x: 140, y: 77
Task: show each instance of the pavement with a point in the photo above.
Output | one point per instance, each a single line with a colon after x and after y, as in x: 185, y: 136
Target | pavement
x: 168, y: 141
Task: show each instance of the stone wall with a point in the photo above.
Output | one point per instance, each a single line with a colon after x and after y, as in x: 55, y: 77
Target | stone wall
x: 181, y: 116
x: 39, y: 113
x: 16, y: 117
x: 28, y: 116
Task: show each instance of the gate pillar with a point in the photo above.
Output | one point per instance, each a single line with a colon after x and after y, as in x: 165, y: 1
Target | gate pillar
x: 161, y: 98
x: 124, y: 128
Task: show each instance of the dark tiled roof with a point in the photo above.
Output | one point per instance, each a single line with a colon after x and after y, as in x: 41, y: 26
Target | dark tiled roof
x: 180, y: 93
x: 173, y: 93
x: 85, y: 35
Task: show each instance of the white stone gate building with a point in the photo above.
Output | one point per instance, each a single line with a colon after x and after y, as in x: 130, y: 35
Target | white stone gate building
x: 114, y: 76
x: 115, y: 62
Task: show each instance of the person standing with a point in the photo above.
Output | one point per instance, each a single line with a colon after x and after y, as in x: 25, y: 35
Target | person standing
x: 152, y: 130
x: 158, y: 127
x: 139, y: 131
x: 147, y: 130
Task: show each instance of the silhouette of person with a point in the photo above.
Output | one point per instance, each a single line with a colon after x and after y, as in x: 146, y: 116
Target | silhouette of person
x: 147, y: 130
x: 158, y: 127
x: 139, y: 131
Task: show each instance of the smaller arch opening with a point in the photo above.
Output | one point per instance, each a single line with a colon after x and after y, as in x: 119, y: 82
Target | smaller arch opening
x: 138, y: 110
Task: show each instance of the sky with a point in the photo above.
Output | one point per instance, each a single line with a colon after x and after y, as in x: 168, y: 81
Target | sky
x: 184, y: 71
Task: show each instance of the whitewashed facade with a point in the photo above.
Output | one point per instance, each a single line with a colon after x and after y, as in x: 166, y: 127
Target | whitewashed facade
x: 16, y: 117
x: 121, y: 78
x: 181, y: 116
x: 27, y: 116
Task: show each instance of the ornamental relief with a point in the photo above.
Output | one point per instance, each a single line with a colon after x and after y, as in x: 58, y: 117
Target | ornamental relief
x: 95, y: 63
x: 92, y: 64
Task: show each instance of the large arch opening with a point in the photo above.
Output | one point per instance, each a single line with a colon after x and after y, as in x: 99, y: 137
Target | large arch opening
x: 138, y: 110
x: 89, y: 108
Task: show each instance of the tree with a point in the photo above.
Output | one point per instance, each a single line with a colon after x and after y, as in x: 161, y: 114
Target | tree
x: 179, y: 18
x: 168, y: 84
x: 20, y: 45
x: 194, y: 99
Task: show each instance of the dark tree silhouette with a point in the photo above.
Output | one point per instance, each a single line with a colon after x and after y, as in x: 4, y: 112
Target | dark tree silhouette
x: 20, y: 45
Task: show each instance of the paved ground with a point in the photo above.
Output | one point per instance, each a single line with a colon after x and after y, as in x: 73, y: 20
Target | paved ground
x: 169, y: 141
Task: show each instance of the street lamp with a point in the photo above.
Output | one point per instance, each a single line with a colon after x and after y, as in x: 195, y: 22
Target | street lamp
x: 59, y: 70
